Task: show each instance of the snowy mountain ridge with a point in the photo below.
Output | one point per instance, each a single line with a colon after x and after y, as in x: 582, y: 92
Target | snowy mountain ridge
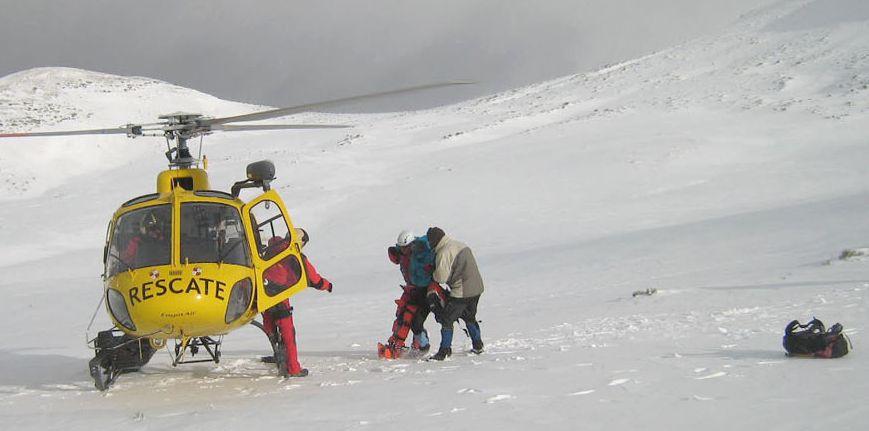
x: 61, y: 98
x: 41, y: 98
x: 827, y: 77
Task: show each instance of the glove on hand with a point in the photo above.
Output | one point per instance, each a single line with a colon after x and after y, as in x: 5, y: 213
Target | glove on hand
x: 394, y: 254
x: 324, y: 285
x: 435, y: 297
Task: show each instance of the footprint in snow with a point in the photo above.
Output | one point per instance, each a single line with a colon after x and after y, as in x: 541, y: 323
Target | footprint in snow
x: 574, y: 394
x: 498, y: 398
x: 711, y: 376
x: 468, y: 391
x: 618, y: 382
x: 62, y: 387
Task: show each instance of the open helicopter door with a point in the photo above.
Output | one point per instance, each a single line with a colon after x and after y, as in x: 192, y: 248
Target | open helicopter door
x: 277, y: 261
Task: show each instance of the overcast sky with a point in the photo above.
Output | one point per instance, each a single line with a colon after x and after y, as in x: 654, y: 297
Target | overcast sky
x: 285, y: 52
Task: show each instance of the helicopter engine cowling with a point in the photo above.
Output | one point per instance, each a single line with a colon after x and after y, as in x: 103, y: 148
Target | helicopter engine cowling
x: 187, y: 179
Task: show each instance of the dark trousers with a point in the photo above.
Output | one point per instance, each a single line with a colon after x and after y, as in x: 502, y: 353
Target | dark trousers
x: 459, y: 308
x: 417, y: 297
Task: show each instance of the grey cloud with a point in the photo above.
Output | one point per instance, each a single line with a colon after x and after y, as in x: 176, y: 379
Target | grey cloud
x: 288, y: 52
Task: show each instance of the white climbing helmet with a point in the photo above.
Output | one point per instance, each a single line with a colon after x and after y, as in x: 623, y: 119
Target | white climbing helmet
x: 405, y: 238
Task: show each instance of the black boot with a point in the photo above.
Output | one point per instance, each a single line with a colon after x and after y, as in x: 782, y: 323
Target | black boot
x: 302, y: 373
x: 477, y: 347
x: 443, y: 353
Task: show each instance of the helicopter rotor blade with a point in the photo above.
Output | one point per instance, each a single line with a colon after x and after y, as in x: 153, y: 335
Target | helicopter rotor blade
x: 193, y: 126
x: 243, y: 128
x: 282, y: 112
x: 112, y: 131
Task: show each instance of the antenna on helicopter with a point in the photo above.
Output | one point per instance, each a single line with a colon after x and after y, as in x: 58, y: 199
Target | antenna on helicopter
x: 179, y: 127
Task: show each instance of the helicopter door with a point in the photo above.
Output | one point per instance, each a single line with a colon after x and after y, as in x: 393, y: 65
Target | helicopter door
x: 278, y: 259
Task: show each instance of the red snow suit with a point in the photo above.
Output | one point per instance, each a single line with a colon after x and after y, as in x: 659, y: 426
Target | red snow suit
x: 411, y: 309
x: 281, y: 315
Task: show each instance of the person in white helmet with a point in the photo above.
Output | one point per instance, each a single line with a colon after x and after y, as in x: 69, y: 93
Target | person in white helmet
x: 416, y: 261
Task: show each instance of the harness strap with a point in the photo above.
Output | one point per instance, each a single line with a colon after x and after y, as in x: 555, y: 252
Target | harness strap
x: 280, y: 311
x: 814, y: 325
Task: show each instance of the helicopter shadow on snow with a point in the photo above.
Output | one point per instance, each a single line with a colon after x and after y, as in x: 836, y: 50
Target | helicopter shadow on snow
x: 43, y: 371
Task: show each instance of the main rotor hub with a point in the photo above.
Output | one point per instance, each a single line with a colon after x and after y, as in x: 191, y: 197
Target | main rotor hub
x: 180, y: 117
x: 179, y: 127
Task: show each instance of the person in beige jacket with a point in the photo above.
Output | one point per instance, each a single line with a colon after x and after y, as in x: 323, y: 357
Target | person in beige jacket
x: 456, y: 267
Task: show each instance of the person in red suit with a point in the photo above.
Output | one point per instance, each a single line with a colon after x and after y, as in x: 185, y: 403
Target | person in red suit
x: 285, y: 274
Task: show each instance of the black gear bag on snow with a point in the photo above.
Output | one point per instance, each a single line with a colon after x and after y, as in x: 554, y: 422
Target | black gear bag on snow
x: 813, y: 340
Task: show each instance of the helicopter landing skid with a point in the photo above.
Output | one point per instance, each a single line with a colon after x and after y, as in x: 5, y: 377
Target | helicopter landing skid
x: 192, y: 345
x: 117, y: 353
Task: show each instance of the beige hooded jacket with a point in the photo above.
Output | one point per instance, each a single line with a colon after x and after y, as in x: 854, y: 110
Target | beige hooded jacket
x: 455, y: 265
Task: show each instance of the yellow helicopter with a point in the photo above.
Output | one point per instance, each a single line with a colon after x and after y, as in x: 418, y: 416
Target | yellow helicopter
x: 187, y: 263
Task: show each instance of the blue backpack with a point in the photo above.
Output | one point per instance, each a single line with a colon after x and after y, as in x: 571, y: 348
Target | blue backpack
x: 422, y: 259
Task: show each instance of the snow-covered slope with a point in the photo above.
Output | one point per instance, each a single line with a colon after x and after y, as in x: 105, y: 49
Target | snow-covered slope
x: 55, y: 98
x: 728, y: 173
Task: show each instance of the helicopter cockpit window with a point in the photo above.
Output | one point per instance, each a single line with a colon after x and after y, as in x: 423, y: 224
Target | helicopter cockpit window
x: 269, y: 223
x: 272, y: 237
x: 212, y: 232
x: 141, y: 238
x: 282, y: 275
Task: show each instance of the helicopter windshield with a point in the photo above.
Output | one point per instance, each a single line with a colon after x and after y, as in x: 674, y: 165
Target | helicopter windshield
x: 141, y: 238
x: 212, y: 232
